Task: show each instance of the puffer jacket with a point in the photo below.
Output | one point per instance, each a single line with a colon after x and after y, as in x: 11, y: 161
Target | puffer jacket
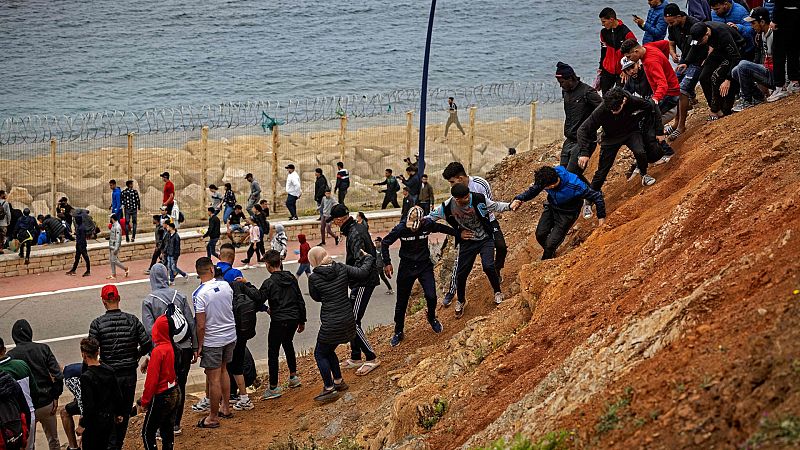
x: 328, y: 285
x: 54, y: 228
x: 123, y: 339
x: 286, y: 302
x: 153, y: 306
x: 358, y: 238
x: 40, y: 359
x: 161, y: 367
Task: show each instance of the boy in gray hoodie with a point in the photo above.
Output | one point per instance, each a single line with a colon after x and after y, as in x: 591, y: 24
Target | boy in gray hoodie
x: 114, y: 243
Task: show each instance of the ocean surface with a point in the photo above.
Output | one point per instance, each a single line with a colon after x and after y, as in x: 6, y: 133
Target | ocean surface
x: 66, y: 56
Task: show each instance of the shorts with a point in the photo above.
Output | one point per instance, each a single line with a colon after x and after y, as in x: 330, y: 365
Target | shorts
x: 214, y: 357
x: 72, y: 408
x: 236, y: 227
x: 689, y: 79
x: 236, y: 366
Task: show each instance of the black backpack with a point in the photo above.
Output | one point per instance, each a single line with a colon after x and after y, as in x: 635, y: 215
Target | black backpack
x: 244, y: 311
x: 13, y: 430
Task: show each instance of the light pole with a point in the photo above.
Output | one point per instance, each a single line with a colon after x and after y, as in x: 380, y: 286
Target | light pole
x: 423, y: 107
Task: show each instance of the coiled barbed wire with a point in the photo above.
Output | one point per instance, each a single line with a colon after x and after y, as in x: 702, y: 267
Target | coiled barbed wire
x: 87, y: 126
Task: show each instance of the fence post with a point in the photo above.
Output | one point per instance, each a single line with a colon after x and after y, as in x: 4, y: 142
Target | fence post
x: 473, y: 110
x: 130, y: 156
x: 409, y: 132
x: 342, y: 141
x: 204, y: 158
x: 532, y: 126
x: 276, y: 143
x: 53, y: 148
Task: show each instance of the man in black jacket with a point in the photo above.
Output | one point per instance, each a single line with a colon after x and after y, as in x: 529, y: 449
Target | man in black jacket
x: 358, y: 240
x: 320, y: 185
x: 212, y: 233
x: 247, y: 300
x: 123, y: 340
x: 47, y: 374
x: 579, y: 102
x: 415, y: 265
x: 342, y: 182
x: 726, y: 43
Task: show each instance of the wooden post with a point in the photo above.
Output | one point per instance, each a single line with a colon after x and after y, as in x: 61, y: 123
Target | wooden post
x: 473, y: 110
x: 409, y: 132
x: 53, y: 148
x: 342, y: 141
x: 204, y: 158
x: 276, y: 143
x: 532, y: 126
x: 130, y: 156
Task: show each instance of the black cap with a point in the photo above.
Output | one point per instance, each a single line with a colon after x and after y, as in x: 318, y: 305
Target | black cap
x: 459, y: 190
x: 697, y: 32
x: 290, y: 166
x: 165, y: 174
x: 564, y: 70
x: 248, y: 176
x: 758, y: 15
x: 672, y: 10
x: 338, y: 211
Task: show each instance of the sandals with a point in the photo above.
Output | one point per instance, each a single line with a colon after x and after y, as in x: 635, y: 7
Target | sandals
x: 226, y: 416
x: 352, y: 364
x: 368, y: 367
x: 202, y: 424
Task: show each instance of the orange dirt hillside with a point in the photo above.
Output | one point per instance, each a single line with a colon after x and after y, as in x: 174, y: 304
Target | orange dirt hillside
x: 677, y: 325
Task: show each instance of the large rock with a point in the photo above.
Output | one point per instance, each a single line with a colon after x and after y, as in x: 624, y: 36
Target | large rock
x: 151, y: 200
x: 192, y: 196
x: 39, y: 207
x: 19, y: 196
x: 234, y: 176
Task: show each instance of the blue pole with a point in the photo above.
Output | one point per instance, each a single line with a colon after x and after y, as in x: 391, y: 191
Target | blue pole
x: 424, y: 93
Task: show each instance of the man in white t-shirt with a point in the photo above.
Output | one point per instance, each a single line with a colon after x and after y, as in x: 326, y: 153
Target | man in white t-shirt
x: 293, y: 191
x: 216, y: 335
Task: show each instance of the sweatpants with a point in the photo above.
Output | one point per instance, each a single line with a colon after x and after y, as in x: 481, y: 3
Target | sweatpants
x: 407, y: 274
x: 608, y: 153
x: 49, y: 424
x: 467, y: 252
x: 359, y: 298
x: 182, y: 374
x: 127, y: 384
x: 113, y: 259
x: 712, y: 75
x: 327, y: 363
x: 553, y: 228
x: 81, y: 252
x: 570, y: 152
x: 452, y: 118
x: 254, y: 249
x: 26, y: 248
x: 281, y: 334
x: 161, y: 417
x: 390, y: 198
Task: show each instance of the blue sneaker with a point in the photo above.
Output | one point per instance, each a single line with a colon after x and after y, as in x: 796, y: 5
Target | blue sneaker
x: 437, y: 326
x: 448, y: 298
x: 396, y: 339
x: 272, y: 393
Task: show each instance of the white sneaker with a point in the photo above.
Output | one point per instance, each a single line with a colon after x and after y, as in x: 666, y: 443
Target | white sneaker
x: 244, y: 404
x: 587, y: 210
x: 498, y: 298
x: 647, y: 180
x: 247, y: 266
x: 777, y: 94
x: 793, y: 87
x: 203, y: 405
x: 262, y: 265
x: 664, y: 159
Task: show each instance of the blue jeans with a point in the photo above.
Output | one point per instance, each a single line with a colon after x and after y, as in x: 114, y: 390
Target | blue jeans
x: 172, y: 265
x: 750, y: 75
x: 304, y: 268
x: 291, y: 205
x: 227, y: 213
x: 211, y: 248
x: 328, y: 363
x: 689, y: 79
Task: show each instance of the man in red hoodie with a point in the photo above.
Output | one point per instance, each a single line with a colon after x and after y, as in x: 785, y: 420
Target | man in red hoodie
x: 613, y: 34
x: 305, y: 266
x: 657, y: 69
x: 161, y: 392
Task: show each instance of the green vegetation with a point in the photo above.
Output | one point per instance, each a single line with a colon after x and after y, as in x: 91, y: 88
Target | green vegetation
x: 431, y: 414
x: 615, y: 412
x: 345, y: 443
x: 781, y: 430
x: 554, y: 440
x: 418, y: 306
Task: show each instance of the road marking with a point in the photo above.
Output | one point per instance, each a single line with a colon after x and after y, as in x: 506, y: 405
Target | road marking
x: 57, y: 339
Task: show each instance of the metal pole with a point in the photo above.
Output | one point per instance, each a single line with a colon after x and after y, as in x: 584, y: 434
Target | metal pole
x: 130, y: 156
x: 53, y: 148
x: 342, y: 141
x: 409, y: 131
x: 424, y: 92
x: 276, y: 143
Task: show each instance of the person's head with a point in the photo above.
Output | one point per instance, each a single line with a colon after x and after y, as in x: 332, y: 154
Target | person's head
x: 411, y: 170
x: 237, y: 209
x: 110, y: 296
x: 512, y: 151
x: 228, y: 186
x: 361, y: 217
x: 378, y: 241
x: 249, y: 177
x: 213, y: 187
x: 204, y: 268
x: 339, y: 215
x: 700, y: 33
x: 317, y: 172
x: 454, y: 173
x: 460, y: 193
x: 340, y: 165
x: 424, y: 178
x: 759, y: 19
x: 328, y: 192
x: 112, y: 184
x: 615, y: 99
x: 654, y: 3
x: 129, y: 184
x: 720, y: 7
x: 171, y: 226
x: 90, y: 349
x: 405, y: 191
x: 632, y: 50
x: 165, y: 177
x: 2, y: 348
x: 673, y: 15
x: 258, y: 209
x: 163, y: 210
x: 211, y: 211
x: 2, y: 194
x: 114, y: 218
x: 290, y: 168
x: 546, y: 177
x: 566, y: 77
x: 273, y: 260
x: 26, y: 212
x: 279, y: 229
x: 264, y: 205
x: 318, y: 256
x: 40, y: 218
x: 450, y: 100
x: 387, y: 172
x: 608, y: 18
x: 630, y: 68
x: 414, y: 218
x: 227, y: 253
x: 156, y: 219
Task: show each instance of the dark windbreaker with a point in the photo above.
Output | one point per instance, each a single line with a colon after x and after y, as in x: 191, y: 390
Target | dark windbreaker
x: 40, y: 359
x: 286, y: 302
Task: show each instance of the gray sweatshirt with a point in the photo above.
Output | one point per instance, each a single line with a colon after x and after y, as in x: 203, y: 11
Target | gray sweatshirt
x: 115, y: 237
x: 154, y: 304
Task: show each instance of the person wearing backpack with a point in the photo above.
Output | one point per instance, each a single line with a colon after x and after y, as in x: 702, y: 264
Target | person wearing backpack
x: 47, y: 374
x: 287, y: 311
x: 5, y: 220
x: 247, y: 300
x: 15, y: 417
x: 24, y: 378
x: 105, y: 407
x: 392, y: 188
x: 158, y: 303
x: 26, y: 231
x: 162, y: 394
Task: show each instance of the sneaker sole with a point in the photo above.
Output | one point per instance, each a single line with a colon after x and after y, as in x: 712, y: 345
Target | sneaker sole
x: 271, y: 397
x: 243, y: 408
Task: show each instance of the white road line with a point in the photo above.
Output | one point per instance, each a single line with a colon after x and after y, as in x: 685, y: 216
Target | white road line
x: 57, y: 339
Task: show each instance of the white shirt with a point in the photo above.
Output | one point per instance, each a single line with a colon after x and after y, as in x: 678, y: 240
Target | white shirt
x: 293, y: 184
x: 481, y: 186
x: 176, y: 214
x: 215, y: 299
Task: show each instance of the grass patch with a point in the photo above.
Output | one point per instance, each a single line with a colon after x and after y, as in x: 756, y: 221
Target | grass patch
x: 430, y: 415
x: 780, y: 430
x: 418, y: 306
x: 345, y: 443
x: 554, y: 440
x: 615, y: 412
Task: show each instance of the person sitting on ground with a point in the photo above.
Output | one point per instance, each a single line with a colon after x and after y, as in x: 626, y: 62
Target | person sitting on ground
x: 753, y: 76
x: 580, y: 100
x: 379, y: 263
x: 212, y: 232
x: 104, y: 405
x: 279, y: 241
x: 255, y: 238
x: 565, y: 195
x: 287, y: 311
x: 415, y: 265
x: 162, y: 395
x: 326, y: 205
x: 72, y: 379
x: 235, y: 223
x: 328, y: 285
x: 304, y: 267
x: 64, y: 214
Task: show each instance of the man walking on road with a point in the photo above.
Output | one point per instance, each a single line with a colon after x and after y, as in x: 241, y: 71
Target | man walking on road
x: 123, y: 340
x: 168, y: 199
x: 293, y: 191
x: 114, y: 243
x: 342, y: 182
x: 452, y: 116
x: 132, y: 205
x: 320, y: 185
x: 255, y: 194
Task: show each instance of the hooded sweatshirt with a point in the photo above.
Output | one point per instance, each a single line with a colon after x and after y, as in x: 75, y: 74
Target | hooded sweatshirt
x: 304, y: 249
x: 155, y: 304
x: 286, y: 302
x: 40, y: 359
x: 11, y: 392
x: 279, y: 241
x: 161, y: 368
x: 101, y: 396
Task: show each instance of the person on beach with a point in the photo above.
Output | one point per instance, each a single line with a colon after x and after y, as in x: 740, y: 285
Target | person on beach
x: 255, y: 239
x: 342, y: 182
x: 105, y: 406
x: 25, y: 231
x: 328, y: 285
x: 415, y: 265
x: 114, y: 243
x: 326, y: 205
x: 452, y: 117
x: 390, y: 193
x: 303, y: 267
x: 680, y: 38
x: 122, y: 340
x: 81, y: 248
x: 379, y: 263
x: 212, y: 232
x: 172, y: 252
x: 580, y: 100
x: 131, y: 204
x: 565, y: 195
x: 287, y: 311
x: 426, y: 195
x: 470, y: 214
x: 358, y: 241
x: 255, y: 194
x: 655, y: 28
x: 162, y: 395
x: 320, y: 186
x: 116, y: 198
x: 293, y: 191
x: 216, y: 198
x: 168, y: 198
x: 280, y: 241
x: 228, y: 202
x: 613, y: 34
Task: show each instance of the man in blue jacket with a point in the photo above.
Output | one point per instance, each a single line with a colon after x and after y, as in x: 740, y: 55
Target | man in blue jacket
x: 116, y: 198
x: 655, y: 27
x: 733, y: 15
x: 565, y: 195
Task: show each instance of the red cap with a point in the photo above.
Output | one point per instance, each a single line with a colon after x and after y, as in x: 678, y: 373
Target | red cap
x: 109, y: 292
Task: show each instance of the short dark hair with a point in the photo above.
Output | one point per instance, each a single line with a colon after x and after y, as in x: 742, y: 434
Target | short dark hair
x: 318, y: 170
x: 258, y: 208
x: 512, y: 151
x: 454, y: 169
x: 378, y: 239
x: 412, y: 169
x: 628, y: 46
x: 203, y: 263
x: 228, y: 186
x: 129, y: 183
x: 545, y: 176
x: 450, y: 98
x: 171, y: 224
x: 389, y: 170
x: 156, y: 218
x: 263, y: 201
x: 272, y: 258
x: 328, y: 189
x: 213, y: 187
x: 227, y: 246
x: 249, y: 175
x: 2, y: 192
x: 614, y: 98
x: 608, y: 13
x: 211, y: 210
x: 40, y: 217
x: 459, y: 190
x: 424, y: 175
x: 112, y: 182
x: 90, y: 346
x: 340, y: 164
x: 237, y: 207
x: 405, y: 189
x: 716, y: 2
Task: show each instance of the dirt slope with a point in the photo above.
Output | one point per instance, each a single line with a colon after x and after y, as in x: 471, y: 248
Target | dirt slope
x: 675, y: 326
